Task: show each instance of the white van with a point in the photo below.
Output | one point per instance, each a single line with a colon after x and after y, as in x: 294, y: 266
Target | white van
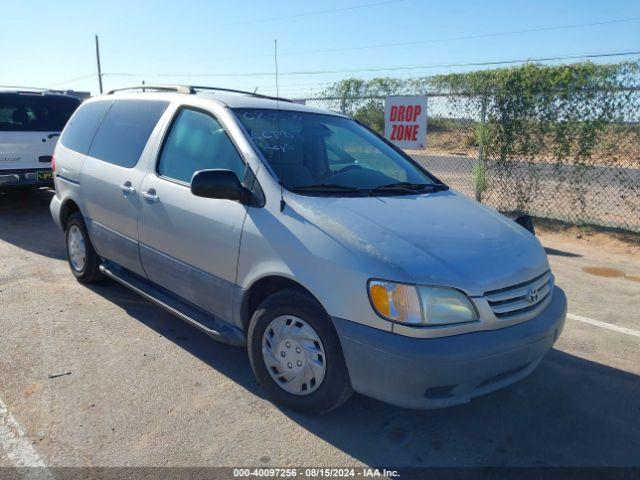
x: 30, y: 124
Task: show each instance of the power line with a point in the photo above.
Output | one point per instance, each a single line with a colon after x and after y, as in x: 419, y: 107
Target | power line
x: 465, y: 37
x: 441, y: 40
x: 91, y: 75
x: 317, y: 12
x: 71, y: 80
x: 362, y: 70
x: 471, y: 64
x: 390, y: 45
x: 381, y: 69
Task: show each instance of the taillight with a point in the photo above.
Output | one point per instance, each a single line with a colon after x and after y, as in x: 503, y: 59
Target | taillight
x: 53, y: 164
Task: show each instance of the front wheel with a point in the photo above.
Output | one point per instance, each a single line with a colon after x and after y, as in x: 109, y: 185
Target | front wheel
x: 83, y: 259
x: 295, y: 354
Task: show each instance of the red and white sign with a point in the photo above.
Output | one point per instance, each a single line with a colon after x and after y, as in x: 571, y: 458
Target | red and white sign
x: 405, y: 121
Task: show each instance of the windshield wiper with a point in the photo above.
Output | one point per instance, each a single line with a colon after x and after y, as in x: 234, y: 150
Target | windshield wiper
x: 324, y: 187
x: 405, y: 187
x: 409, y: 187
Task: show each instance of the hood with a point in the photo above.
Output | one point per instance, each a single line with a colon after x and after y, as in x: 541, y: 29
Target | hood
x: 441, y: 238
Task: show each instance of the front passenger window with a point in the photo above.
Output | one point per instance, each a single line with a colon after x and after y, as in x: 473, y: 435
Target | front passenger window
x: 197, y: 142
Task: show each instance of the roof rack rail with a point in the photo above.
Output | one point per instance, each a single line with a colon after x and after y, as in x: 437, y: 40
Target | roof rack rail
x: 232, y: 90
x: 161, y: 88
x: 193, y: 89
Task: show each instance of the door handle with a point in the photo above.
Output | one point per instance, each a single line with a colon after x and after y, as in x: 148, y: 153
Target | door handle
x: 127, y: 188
x: 151, y: 195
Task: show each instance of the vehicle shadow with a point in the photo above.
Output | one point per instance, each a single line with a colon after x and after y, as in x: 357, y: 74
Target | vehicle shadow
x: 25, y: 221
x: 569, y: 412
x: 561, y: 253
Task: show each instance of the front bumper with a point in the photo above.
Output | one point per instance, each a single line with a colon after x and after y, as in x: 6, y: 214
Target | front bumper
x: 440, y: 372
x: 26, y: 177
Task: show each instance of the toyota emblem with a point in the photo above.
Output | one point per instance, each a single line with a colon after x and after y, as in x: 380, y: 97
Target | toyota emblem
x: 532, y: 295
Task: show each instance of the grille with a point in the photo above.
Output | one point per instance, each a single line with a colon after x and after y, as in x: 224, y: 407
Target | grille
x: 520, y: 298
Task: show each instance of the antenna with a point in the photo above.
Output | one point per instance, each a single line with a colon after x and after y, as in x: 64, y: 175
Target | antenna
x: 275, y: 59
x: 282, y: 202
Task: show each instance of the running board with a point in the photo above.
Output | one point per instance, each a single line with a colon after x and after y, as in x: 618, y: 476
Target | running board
x: 217, y: 329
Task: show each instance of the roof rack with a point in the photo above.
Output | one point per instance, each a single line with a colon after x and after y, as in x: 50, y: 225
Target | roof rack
x: 231, y: 90
x: 159, y: 88
x: 193, y: 89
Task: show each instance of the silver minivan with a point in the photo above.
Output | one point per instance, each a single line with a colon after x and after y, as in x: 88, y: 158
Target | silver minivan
x: 337, y: 260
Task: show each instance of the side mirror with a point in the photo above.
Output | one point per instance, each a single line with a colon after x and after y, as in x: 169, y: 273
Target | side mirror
x: 223, y: 184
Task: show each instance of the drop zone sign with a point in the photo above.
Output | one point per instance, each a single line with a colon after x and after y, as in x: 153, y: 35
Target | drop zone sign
x: 405, y: 121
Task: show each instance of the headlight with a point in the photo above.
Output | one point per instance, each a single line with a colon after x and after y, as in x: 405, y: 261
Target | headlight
x: 396, y: 301
x: 416, y: 305
x: 444, y: 306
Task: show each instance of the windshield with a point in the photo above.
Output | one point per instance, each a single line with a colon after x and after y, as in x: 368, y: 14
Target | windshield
x: 315, y: 152
x: 26, y: 112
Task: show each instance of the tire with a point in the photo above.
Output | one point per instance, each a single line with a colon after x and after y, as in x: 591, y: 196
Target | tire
x: 334, y: 386
x: 87, y: 271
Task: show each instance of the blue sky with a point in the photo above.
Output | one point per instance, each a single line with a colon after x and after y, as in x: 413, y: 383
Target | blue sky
x: 44, y: 43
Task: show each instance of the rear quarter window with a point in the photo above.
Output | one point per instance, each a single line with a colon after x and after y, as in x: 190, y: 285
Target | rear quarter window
x: 82, y: 126
x: 124, y: 131
x: 31, y: 112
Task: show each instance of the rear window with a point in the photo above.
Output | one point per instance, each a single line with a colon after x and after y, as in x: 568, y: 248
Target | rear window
x: 83, y: 125
x: 124, y: 132
x: 23, y: 112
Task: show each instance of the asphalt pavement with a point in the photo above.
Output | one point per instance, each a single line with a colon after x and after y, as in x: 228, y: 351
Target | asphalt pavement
x: 97, y: 376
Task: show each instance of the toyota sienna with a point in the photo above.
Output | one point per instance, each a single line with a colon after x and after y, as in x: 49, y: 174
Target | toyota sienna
x: 337, y: 260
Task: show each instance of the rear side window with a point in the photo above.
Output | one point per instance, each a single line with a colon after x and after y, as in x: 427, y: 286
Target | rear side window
x: 124, y: 132
x: 26, y: 112
x: 83, y: 125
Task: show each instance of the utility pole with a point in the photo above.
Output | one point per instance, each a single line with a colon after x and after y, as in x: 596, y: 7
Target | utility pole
x: 98, y: 60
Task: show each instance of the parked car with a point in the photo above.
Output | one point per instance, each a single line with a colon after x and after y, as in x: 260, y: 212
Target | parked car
x: 30, y: 124
x: 339, y: 262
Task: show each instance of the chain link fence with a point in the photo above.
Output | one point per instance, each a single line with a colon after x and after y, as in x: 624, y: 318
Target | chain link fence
x: 597, y: 186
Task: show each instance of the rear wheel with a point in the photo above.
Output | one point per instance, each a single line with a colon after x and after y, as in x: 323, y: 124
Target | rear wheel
x: 83, y: 260
x: 295, y: 354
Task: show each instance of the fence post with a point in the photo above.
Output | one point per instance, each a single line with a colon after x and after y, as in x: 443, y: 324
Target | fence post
x: 480, y: 171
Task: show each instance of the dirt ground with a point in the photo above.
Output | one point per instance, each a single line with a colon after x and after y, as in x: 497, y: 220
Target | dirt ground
x: 624, y: 243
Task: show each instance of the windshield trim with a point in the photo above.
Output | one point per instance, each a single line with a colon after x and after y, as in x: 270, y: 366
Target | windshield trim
x: 335, y: 193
